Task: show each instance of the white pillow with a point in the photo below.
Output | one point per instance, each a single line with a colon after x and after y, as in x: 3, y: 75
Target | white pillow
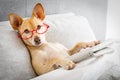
x: 69, y: 30
x: 59, y: 15
x: 14, y: 58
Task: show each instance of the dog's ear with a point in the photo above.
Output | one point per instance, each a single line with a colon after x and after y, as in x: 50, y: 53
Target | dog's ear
x: 15, y: 20
x: 38, y: 11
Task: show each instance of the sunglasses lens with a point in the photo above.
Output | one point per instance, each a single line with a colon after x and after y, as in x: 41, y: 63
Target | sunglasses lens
x: 26, y: 35
x: 42, y: 30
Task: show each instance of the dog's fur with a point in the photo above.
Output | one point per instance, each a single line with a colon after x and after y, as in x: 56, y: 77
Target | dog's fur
x: 45, y: 56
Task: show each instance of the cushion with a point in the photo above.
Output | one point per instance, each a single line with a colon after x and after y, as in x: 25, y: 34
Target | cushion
x: 60, y: 15
x: 14, y: 58
x: 68, y: 30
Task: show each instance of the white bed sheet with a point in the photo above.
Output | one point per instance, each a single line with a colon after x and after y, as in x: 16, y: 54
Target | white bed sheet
x: 106, y: 67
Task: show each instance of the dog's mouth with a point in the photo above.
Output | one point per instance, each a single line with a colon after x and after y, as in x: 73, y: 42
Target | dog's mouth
x: 37, y: 43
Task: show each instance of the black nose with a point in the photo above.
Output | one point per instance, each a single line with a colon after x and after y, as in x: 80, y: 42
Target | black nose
x: 37, y: 40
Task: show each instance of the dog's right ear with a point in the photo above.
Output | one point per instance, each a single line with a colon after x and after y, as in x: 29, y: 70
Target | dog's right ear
x: 15, y: 20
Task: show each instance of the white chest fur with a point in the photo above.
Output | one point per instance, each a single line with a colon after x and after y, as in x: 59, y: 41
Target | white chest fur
x: 49, y: 51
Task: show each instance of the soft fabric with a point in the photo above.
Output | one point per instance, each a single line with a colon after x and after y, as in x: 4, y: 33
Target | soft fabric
x: 69, y: 30
x: 106, y: 67
x: 60, y: 15
x: 14, y: 57
x: 112, y: 73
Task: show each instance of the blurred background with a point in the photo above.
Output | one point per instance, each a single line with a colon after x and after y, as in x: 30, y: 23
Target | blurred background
x: 103, y: 15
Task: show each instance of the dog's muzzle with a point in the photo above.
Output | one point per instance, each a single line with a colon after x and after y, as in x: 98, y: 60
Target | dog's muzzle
x: 37, y: 40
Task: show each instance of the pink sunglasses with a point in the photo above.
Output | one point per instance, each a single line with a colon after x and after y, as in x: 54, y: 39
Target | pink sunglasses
x: 27, y: 34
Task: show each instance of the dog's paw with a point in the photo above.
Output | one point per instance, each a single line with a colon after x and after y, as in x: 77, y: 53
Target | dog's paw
x: 97, y: 42
x: 93, y: 43
x: 70, y: 65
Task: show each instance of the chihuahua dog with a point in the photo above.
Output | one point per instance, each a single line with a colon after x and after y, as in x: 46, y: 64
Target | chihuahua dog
x: 45, y: 56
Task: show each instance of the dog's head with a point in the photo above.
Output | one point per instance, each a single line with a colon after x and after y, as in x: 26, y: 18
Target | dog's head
x: 32, y: 29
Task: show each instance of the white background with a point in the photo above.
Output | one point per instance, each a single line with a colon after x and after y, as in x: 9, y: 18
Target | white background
x: 113, y: 19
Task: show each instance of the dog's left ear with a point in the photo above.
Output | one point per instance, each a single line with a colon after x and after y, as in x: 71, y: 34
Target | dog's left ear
x: 38, y: 11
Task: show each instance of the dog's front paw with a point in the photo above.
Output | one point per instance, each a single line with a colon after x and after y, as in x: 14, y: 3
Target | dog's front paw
x: 69, y: 65
x: 97, y: 42
x: 93, y: 43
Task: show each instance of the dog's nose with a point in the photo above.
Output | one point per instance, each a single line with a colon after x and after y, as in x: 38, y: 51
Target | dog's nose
x: 37, y: 40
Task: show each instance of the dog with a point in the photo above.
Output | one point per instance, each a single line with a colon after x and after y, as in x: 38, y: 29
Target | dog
x: 45, y: 56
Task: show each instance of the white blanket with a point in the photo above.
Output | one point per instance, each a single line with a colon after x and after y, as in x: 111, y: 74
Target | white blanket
x: 106, y: 67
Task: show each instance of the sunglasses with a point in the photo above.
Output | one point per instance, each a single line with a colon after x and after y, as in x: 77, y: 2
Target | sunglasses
x: 27, y: 34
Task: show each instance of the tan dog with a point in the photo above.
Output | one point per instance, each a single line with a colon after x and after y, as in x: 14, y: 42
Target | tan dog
x: 45, y: 56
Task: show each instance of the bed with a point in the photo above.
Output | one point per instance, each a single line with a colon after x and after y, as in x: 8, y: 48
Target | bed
x: 67, y: 29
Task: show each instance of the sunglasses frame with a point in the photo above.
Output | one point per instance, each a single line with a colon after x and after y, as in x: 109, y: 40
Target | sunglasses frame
x: 44, y: 25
